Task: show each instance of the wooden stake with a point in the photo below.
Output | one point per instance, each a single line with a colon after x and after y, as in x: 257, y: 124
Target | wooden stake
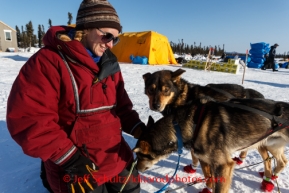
x: 208, y: 62
x: 244, y: 66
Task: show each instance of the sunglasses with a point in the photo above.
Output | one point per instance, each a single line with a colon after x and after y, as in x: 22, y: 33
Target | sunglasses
x: 107, y: 37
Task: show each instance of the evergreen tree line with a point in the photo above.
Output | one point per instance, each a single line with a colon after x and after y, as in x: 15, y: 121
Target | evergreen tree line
x: 26, y: 37
x: 182, y: 48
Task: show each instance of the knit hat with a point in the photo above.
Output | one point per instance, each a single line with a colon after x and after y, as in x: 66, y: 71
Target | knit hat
x: 97, y: 14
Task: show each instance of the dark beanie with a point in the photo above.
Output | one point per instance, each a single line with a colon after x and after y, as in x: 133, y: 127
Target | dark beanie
x: 97, y: 14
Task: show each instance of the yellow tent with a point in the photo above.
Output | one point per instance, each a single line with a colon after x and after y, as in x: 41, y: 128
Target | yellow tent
x: 150, y: 44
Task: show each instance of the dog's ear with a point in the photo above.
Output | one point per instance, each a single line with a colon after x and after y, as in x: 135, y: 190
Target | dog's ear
x: 176, y: 75
x: 145, y: 147
x: 136, y: 149
x: 146, y: 76
x: 151, y: 121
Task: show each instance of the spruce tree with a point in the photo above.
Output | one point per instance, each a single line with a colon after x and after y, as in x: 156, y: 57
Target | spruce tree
x: 40, y: 36
x: 43, y: 31
x: 24, y: 38
x: 29, y: 31
x: 69, y: 18
x: 49, y: 23
x: 18, y: 36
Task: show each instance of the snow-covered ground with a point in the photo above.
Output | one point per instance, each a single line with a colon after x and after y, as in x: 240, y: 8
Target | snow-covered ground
x: 20, y: 173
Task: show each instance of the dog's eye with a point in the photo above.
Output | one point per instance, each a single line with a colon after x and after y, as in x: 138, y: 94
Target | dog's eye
x: 151, y: 90
x: 166, y: 89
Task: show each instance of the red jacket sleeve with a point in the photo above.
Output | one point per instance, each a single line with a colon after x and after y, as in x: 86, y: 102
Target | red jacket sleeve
x: 32, y: 110
x: 129, y: 117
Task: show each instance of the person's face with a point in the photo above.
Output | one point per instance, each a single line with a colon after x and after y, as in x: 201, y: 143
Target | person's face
x: 95, y: 40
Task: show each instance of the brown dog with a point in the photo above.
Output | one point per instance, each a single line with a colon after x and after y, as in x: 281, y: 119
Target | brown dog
x: 218, y: 135
x: 167, y: 91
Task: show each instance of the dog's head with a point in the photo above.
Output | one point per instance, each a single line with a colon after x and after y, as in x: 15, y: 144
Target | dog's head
x: 155, y: 144
x: 162, y: 87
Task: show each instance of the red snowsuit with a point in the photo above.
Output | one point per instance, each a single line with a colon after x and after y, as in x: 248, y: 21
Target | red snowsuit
x: 56, y: 106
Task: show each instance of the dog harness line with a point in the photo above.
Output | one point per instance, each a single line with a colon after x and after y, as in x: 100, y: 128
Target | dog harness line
x: 277, y: 122
x: 180, y: 151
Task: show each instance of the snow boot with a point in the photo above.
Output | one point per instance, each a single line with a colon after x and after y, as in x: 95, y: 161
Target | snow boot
x: 206, y: 190
x: 190, y: 169
x: 267, y: 185
x: 238, y: 160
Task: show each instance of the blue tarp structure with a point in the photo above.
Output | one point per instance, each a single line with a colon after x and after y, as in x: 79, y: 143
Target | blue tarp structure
x: 257, y: 53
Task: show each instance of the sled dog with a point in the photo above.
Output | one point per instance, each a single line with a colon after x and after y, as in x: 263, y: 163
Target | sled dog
x: 215, y: 130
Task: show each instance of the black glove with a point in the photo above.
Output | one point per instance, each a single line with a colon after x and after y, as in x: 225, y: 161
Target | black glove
x: 139, y: 130
x: 78, y: 174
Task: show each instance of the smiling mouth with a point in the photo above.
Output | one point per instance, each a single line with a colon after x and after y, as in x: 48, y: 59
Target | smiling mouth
x: 103, y: 48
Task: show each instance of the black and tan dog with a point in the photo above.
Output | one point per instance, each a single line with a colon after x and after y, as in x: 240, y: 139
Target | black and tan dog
x: 167, y: 91
x: 225, y: 127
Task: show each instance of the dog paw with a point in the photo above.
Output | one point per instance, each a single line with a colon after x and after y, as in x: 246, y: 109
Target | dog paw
x: 189, y: 169
x: 238, y: 160
x: 267, y: 186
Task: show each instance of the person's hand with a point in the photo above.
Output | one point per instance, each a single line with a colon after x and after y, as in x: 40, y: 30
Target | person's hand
x: 78, y: 175
x: 138, y: 130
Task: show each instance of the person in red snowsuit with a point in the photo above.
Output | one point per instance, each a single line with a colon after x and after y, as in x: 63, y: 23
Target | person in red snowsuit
x: 68, y: 106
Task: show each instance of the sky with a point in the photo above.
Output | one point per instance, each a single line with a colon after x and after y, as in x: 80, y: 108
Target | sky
x: 233, y: 23
x: 19, y: 173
